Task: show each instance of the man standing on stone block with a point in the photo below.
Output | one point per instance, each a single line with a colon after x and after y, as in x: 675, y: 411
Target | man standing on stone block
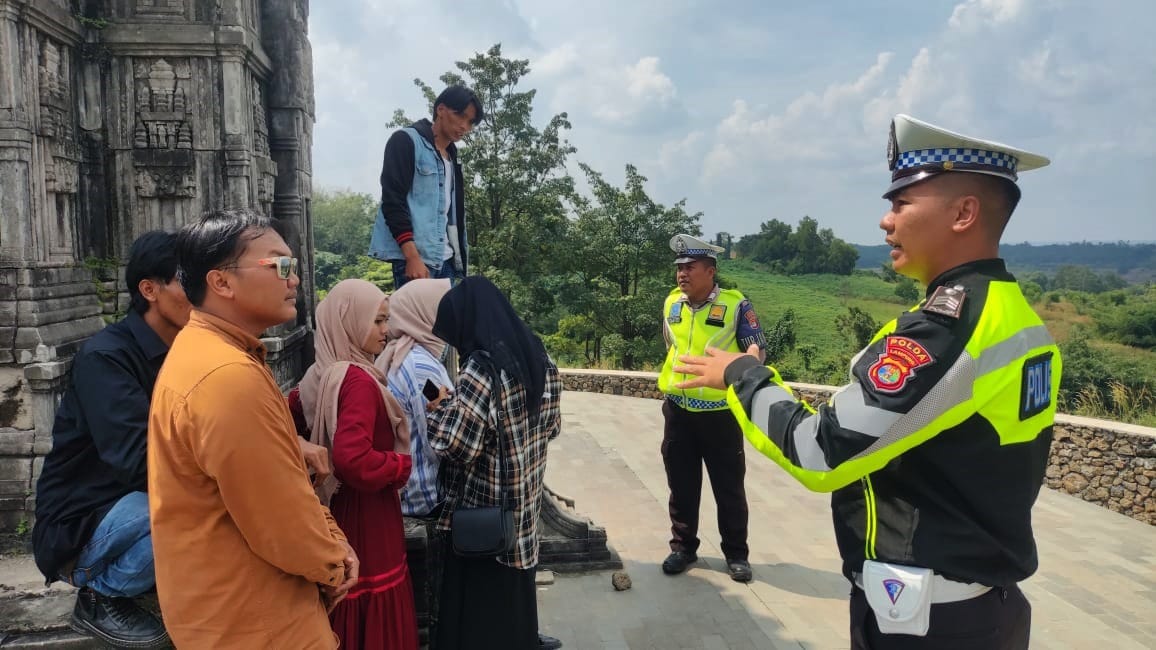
x: 699, y: 428
x: 421, y: 225
x: 92, y: 518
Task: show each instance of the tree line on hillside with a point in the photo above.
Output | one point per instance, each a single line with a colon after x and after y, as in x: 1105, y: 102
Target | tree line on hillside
x: 795, y: 251
x: 1133, y: 262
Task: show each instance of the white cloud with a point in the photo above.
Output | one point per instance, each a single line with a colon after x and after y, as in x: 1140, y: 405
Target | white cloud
x: 673, y: 155
x: 812, y: 127
x: 599, y: 81
x: 977, y: 14
x: 730, y: 116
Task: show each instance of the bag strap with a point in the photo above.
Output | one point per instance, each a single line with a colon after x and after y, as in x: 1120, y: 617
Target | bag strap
x: 496, y: 375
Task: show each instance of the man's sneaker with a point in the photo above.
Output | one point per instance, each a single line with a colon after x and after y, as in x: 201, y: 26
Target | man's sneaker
x: 677, y: 562
x: 118, y: 622
x: 740, y: 570
x: 548, y: 642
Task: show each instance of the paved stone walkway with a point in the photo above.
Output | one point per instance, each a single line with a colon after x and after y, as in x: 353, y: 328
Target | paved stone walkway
x: 1096, y: 587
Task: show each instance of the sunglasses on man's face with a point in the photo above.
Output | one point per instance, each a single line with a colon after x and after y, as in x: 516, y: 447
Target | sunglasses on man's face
x: 285, y: 266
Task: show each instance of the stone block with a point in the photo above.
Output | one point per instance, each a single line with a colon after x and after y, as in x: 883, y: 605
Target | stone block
x: 15, y: 442
x: 42, y: 443
x: 15, y: 476
x: 14, y: 395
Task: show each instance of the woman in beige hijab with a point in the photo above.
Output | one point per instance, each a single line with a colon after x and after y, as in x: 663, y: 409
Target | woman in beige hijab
x: 347, y: 408
x: 412, y: 358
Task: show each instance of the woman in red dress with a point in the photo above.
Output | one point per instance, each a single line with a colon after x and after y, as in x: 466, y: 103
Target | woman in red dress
x: 344, y: 403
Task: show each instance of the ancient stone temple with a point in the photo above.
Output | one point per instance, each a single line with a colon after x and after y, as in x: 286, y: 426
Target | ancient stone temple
x: 118, y: 117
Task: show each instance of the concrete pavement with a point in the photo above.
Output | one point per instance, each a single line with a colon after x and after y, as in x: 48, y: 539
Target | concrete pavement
x: 1096, y: 587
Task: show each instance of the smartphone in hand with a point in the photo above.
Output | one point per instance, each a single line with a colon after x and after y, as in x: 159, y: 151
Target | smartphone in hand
x: 430, y: 390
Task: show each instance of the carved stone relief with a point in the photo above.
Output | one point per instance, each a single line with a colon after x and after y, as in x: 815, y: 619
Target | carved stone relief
x: 60, y: 148
x: 163, y: 136
x: 260, y: 124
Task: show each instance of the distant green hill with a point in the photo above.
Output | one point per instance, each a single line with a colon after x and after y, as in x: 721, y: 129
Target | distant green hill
x: 1133, y: 262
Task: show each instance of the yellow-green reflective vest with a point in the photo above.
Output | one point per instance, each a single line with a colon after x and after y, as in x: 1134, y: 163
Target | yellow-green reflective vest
x: 692, y: 332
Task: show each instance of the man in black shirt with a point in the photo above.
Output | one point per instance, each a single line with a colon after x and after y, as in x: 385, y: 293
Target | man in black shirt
x: 92, y: 516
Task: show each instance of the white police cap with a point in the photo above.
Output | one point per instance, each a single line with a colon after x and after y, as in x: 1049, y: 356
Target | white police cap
x: 688, y: 249
x: 917, y: 151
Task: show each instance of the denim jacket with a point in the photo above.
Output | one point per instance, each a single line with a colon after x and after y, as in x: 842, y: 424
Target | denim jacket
x: 425, y: 201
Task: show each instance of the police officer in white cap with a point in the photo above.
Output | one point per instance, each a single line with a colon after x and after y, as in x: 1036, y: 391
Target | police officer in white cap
x: 699, y: 428
x: 936, y: 451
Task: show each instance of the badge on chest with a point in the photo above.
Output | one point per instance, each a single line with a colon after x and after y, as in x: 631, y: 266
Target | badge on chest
x: 716, y: 315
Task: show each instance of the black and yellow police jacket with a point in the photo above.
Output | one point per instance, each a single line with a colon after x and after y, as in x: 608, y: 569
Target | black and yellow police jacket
x: 936, y: 451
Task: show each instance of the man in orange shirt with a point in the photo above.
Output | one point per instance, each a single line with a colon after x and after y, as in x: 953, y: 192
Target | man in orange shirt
x: 246, y: 556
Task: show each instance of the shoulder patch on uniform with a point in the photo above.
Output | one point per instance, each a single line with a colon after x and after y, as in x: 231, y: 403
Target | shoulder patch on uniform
x: 947, y: 301
x: 900, y: 358
x: 1036, y: 386
x: 752, y: 319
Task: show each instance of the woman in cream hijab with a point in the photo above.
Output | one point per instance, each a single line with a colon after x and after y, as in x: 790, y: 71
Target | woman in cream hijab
x: 347, y: 409
x: 413, y: 357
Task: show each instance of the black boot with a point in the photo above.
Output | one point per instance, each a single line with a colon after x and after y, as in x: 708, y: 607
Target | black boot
x: 548, y: 642
x: 118, y: 622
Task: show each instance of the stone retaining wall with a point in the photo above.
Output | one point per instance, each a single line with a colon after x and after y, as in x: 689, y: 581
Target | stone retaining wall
x: 1108, y: 463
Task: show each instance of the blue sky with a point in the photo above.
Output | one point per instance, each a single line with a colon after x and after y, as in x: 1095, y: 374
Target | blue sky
x: 759, y: 110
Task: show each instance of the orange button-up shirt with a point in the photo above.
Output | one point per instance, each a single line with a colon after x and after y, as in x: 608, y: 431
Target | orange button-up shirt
x: 240, y: 540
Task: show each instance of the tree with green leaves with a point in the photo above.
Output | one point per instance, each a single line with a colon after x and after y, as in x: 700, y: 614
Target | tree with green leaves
x: 619, y: 252
x: 858, y: 325
x: 342, y: 220
x: 907, y: 290
x: 781, y: 337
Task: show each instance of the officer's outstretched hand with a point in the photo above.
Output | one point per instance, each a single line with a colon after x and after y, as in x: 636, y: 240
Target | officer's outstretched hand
x: 710, y: 369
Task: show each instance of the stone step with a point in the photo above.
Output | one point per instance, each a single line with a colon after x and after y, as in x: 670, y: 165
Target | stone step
x: 39, y: 619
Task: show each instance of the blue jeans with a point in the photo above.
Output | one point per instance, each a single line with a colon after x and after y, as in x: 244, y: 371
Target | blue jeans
x: 118, y: 560
x: 446, y: 272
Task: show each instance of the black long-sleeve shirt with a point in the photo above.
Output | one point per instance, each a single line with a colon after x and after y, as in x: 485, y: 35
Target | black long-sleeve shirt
x: 99, y: 439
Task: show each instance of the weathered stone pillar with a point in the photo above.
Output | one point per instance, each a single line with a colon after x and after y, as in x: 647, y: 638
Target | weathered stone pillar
x: 123, y: 116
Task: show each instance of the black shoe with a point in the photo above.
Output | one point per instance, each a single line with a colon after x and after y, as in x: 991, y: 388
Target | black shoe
x: 548, y: 642
x: 740, y: 570
x: 118, y: 622
x: 677, y: 562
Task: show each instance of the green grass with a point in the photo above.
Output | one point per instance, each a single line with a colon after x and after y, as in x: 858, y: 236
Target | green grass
x: 817, y: 300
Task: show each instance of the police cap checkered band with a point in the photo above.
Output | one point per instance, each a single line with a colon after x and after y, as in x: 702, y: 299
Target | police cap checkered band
x: 957, y: 159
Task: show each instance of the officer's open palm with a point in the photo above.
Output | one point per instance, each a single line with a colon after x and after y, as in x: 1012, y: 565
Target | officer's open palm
x: 710, y: 369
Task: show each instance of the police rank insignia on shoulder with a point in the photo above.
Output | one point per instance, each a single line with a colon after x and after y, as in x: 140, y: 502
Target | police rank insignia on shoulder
x: 947, y: 301
x: 675, y: 313
x: 716, y: 315
x: 1036, y: 386
x: 900, y: 358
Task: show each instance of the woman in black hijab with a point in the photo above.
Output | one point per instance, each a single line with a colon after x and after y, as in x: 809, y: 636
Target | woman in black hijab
x: 506, y: 378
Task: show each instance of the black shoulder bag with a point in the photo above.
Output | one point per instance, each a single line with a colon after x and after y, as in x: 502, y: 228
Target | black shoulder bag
x: 487, y: 531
